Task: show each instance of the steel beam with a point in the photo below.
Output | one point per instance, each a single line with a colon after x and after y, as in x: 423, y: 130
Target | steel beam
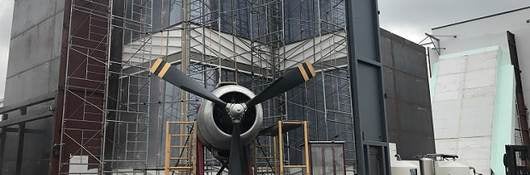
x: 31, y: 116
x: 522, y: 110
x: 371, y: 143
x: 20, y: 148
x: 2, y: 148
x: 30, y: 102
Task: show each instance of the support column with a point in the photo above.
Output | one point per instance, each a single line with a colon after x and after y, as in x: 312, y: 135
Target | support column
x: 184, y: 61
x: 369, y: 118
x: 20, y: 148
x: 2, y: 148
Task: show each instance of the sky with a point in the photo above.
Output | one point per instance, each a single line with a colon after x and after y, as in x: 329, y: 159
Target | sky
x: 6, y: 16
x: 413, y: 18
x: 407, y: 18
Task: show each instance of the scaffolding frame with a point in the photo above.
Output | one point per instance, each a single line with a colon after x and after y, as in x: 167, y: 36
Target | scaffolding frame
x: 128, y: 124
x: 81, y: 98
x: 184, y: 162
x: 211, y: 53
x: 104, y: 123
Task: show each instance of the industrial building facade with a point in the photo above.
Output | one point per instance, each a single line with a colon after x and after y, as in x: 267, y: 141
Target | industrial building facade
x: 79, y: 97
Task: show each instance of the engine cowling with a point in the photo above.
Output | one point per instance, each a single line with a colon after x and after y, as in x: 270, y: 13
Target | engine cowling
x: 215, y: 126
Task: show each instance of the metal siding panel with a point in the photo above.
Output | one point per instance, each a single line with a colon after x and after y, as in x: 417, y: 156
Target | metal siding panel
x: 366, y: 30
x: 367, y: 88
x: 394, y: 128
x: 411, y: 89
x: 370, y: 102
x: 408, y: 100
x: 410, y: 61
x: 386, y: 51
x: 9, y: 163
x: 411, y: 151
x: 29, y: 13
x: 37, y: 146
x: 389, y: 82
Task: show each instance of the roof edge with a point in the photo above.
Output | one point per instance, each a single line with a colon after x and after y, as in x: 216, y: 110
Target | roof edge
x: 479, y: 18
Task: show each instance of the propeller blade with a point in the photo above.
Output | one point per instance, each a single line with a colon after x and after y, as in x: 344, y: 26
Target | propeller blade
x: 220, y: 172
x: 235, y: 161
x: 174, y: 76
x: 292, y: 78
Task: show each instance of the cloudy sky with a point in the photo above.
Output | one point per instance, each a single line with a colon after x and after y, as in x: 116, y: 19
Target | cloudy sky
x: 408, y: 18
x: 412, y: 18
x: 6, y: 15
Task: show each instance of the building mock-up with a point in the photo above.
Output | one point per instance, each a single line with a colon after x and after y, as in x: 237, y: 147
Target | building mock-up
x: 480, y: 82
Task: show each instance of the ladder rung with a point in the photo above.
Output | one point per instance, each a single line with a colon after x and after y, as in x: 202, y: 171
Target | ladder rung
x: 263, y: 145
x: 180, y: 167
x: 137, y: 132
x: 177, y: 158
x: 177, y: 135
x: 180, y: 146
x: 135, y: 141
x: 295, y: 166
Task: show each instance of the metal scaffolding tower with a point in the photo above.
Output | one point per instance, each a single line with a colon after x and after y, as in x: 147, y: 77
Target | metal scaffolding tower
x: 105, y: 97
x: 114, y: 112
x: 85, y: 76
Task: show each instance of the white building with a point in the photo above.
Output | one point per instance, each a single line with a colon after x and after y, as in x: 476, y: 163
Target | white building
x: 473, y: 87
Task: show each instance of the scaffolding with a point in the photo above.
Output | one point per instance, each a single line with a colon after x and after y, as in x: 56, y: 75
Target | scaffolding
x: 105, y: 114
x: 114, y: 113
x: 82, y: 95
x: 274, y: 155
x: 180, y: 155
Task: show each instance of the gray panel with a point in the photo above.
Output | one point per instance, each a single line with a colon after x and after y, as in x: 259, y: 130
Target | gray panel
x: 410, y: 61
x: 31, y: 83
x: 386, y: 51
x: 366, y: 29
x: 407, y: 99
x: 420, y: 148
x: 10, y: 155
x: 58, y: 35
x: 414, y: 118
x: 394, y: 129
x: 369, y: 95
x: 34, y: 50
x: 376, y: 164
x: 37, y: 146
x: 28, y: 13
x: 411, y: 89
x: 388, y: 79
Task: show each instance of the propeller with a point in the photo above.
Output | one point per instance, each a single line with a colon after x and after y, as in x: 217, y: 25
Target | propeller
x: 174, y: 76
x: 235, y: 160
x: 292, y: 78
